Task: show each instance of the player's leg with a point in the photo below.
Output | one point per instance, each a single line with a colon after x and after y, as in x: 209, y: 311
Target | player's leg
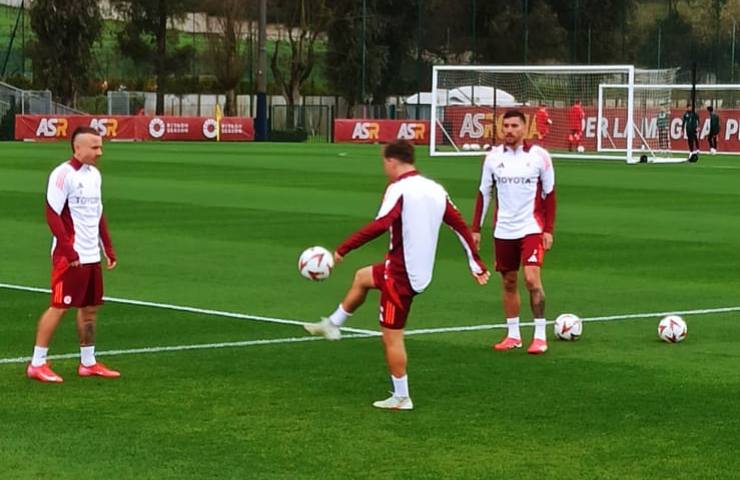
x: 533, y: 254
x: 533, y: 282
x: 64, y: 292
x: 393, y: 315
x: 329, y: 326
x: 87, y: 315
x: 507, y: 254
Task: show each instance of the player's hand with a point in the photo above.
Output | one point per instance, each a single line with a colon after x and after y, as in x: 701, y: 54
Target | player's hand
x: 75, y: 263
x: 110, y: 263
x: 547, y: 240
x: 476, y: 240
x: 337, y: 258
x: 482, y: 278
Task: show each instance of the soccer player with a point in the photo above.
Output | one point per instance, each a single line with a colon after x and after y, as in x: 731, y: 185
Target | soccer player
x: 690, y: 125
x: 413, y: 210
x: 524, y: 180
x: 543, y: 122
x: 662, y: 121
x: 713, y: 129
x: 74, y: 212
x: 575, y: 121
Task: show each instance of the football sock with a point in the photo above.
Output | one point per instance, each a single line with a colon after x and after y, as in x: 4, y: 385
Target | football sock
x: 39, y: 356
x: 339, y: 316
x: 513, y: 324
x: 539, y: 329
x: 400, y: 386
x: 87, y: 356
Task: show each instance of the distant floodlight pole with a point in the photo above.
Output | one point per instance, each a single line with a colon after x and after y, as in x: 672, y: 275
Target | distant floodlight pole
x: 418, y: 57
x: 474, y: 16
x: 364, y: 50
x: 526, y: 29
x: 260, y: 129
x: 732, y: 59
x: 660, y: 33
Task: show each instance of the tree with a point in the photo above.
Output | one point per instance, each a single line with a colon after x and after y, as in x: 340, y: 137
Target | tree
x: 304, y: 20
x: 344, y: 57
x: 226, y: 49
x: 144, y: 38
x: 65, y: 34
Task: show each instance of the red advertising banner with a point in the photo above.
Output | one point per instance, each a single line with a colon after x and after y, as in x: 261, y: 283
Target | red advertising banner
x: 476, y: 125
x: 139, y: 127
x: 380, y: 131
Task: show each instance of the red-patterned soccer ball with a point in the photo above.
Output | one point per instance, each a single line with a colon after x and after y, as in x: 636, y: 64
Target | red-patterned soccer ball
x: 316, y: 263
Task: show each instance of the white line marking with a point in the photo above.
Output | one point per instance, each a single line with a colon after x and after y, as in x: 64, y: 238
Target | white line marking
x: 588, y: 319
x: 360, y: 333
x: 181, y: 308
x: 178, y: 348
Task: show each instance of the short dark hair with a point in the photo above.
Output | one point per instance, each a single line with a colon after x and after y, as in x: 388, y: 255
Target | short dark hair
x: 401, y: 150
x: 515, y: 113
x: 81, y: 130
x: 710, y: 108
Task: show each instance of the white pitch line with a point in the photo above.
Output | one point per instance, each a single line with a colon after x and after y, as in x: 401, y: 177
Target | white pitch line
x: 629, y: 316
x: 178, y: 348
x: 360, y: 333
x: 181, y: 308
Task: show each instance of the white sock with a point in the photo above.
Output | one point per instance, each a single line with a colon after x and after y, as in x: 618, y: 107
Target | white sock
x: 339, y: 316
x: 513, y: 324
x: 400, y: 386
x: 39, y: 356
x: 540, y: 329
x: 87, y: 356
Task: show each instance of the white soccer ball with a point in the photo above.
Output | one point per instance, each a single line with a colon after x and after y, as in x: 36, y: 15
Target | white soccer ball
x: 474, y: 146
x: 486, y: 147
x: 316, y: 263
x: 581, y: 149
x: 466, y: 146
x: 568, y: 327
x: 672, y: 329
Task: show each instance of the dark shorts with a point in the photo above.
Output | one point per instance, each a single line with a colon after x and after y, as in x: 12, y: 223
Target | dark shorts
x: 395, y: 298
x: 510, y: 254
x: 76, y: 286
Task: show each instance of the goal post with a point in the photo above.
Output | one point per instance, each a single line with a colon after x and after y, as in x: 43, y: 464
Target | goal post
x: 468, y: 103
x: 658, y: 118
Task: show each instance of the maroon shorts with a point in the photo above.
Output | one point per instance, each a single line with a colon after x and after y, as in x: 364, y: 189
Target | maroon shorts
x: 396, y: 297
x: 512, y: 253
x: 80, y: 286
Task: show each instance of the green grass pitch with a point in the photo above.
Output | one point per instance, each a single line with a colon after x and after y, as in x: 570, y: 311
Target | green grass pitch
x: 220, y: 226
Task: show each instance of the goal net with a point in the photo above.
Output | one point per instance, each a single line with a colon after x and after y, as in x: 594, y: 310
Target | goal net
x: 659, y: 109
x: 560, y: 103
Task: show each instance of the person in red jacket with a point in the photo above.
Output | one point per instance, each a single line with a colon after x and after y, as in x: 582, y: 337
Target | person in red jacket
x: 542, y: 121
x: 575, y: 123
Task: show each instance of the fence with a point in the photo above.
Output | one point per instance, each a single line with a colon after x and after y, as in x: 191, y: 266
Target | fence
x: 307, y: 123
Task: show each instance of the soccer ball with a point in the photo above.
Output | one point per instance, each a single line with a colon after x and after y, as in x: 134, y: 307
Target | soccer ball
x: 580, y: 149
x: 466, y: 146
x: 568, y: 327
x: 316, y: 263
x: 672, y: 329
x: 474, y: 146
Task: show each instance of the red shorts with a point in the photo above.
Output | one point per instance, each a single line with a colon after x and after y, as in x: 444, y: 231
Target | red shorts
x: 76, y: 286
x: 395, y: 298
x: 512, y: 253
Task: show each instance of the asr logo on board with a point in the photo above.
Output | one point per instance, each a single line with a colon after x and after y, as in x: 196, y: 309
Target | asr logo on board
x: 52, y: 127
x: 107, y: 127
x: 366, y: 131
x: 411, y: 131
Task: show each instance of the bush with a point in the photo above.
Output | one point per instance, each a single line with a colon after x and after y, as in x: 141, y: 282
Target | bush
x: 296, y: 135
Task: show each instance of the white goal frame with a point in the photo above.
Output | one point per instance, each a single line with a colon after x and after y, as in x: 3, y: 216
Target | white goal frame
x: 627, y: 69
x: 654, y: 86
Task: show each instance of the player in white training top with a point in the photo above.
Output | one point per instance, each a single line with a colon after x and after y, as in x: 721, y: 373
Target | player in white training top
x: 524, y: 180
x: 74, y: 212
x: 413, y: 210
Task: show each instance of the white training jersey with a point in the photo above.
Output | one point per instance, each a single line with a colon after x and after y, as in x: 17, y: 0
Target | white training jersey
x: 75, y: 193
x: 424, y: 204
x: 522, y: 178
